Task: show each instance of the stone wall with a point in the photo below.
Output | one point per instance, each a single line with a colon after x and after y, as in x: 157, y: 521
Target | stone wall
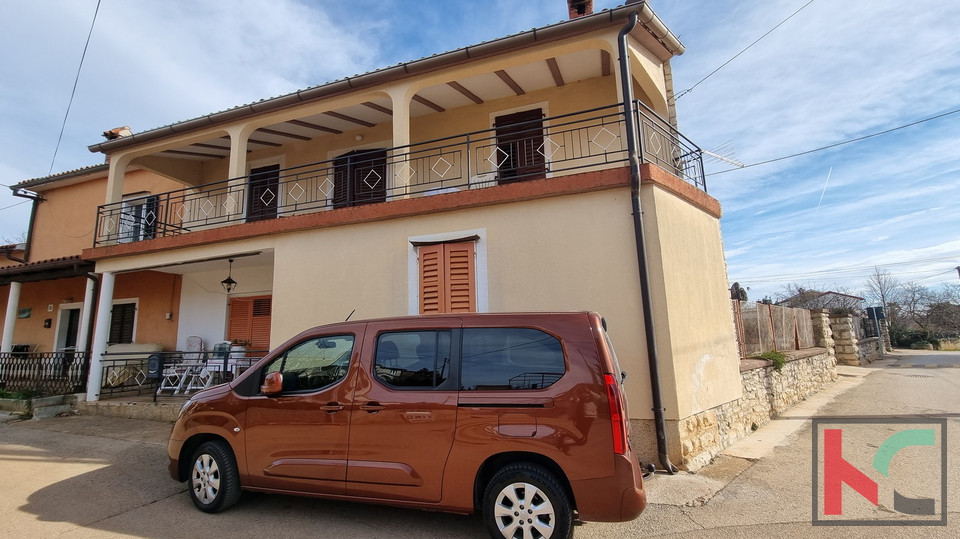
x: 869, y: 350
x: 845, y: 339
x: 767, y: 392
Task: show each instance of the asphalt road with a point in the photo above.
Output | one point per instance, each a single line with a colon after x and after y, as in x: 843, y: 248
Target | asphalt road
x: 91, y: 477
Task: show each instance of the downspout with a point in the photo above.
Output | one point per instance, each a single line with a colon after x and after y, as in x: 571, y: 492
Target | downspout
x: 633, y: 156
x: 37, y: 199
x: 93, y: 312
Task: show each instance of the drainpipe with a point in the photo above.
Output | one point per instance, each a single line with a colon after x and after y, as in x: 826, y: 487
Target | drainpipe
x: 633, y: 155
x: 37, y: 199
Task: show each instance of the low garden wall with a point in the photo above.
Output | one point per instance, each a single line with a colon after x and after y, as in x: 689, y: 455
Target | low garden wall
x: 767, y: 392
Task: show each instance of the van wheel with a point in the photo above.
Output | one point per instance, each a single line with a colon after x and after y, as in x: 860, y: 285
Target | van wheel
x: 214, y: 479
x: 525, y: 501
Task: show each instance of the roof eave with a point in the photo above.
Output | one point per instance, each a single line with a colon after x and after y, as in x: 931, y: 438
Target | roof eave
x: 649, y: 22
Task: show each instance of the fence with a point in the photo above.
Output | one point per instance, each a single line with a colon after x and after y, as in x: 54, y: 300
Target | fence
x: 127, y: 372
x: 49, y: 373
x: 762, y: 327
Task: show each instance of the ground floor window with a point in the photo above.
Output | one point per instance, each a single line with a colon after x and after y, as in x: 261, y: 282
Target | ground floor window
x: 123, y: 318
x: 250, y: 321
x: 448, y: 278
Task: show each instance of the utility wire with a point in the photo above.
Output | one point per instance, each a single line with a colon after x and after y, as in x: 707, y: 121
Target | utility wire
x: 13, y: 205
x: 834, y: 145
x: 828, y: 272
x: 690, y: 89
x: 74, y: 91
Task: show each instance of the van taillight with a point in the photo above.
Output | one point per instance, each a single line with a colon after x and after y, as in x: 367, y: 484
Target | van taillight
x: 617, y: 418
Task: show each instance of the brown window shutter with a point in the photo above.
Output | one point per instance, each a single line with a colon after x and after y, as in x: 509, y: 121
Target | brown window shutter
x: 447, y: 278
x: 431, y: 279
x: 460, y: 275
x: 250, y: 321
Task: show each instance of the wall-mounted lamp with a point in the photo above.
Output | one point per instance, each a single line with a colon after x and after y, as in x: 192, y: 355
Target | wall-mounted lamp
x: 229, y: 284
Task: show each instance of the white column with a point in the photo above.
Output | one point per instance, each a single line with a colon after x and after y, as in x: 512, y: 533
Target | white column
x: 83, y: 335
x: 13, y: 305
x: 100, y: 334
x: 400, y: 170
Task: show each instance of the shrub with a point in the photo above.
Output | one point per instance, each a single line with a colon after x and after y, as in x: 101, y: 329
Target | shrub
x: 778, y: 359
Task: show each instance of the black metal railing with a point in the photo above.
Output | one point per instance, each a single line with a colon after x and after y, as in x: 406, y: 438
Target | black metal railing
x: 543, y: 148
x: 48, y: 373
x: 130, y: 372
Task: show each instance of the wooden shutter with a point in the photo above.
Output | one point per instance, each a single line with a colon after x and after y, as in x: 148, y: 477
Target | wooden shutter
x: 520, y: 137
x: 447, y: 278
x: 250, y: 320
x: 122, y: 317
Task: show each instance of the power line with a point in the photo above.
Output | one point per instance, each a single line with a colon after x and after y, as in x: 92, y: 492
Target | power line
x: 74, y: 91
x: 834, y: 145
x: 690, y: 89
x: 13, y: 205
x: 834, y: 271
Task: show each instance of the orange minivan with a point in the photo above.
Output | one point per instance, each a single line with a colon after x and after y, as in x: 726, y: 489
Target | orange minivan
x: 520, y: 416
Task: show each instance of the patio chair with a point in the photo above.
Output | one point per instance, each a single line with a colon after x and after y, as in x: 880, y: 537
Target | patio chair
x: 179, y: 375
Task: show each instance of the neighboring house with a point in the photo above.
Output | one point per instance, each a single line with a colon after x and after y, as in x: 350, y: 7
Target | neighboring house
x: 495, y: 177
x: 814, y: 299
x: 55, y: 288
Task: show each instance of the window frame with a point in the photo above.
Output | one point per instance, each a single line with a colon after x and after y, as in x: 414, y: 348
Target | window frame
x: 481, y: 290
x: 452, y: 381
x: 563, y: 350
x: 136, y: 316
x: 282, y: 358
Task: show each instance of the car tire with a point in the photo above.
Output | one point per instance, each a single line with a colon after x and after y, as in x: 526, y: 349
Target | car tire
x: 214, y: 480
x: 525, y: 500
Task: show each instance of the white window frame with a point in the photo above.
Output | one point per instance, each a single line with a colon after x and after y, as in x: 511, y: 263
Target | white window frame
x: 480, y: 265
x: 136, y: 315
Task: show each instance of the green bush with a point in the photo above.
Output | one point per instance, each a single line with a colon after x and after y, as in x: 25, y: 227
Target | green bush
x: 778, y: 359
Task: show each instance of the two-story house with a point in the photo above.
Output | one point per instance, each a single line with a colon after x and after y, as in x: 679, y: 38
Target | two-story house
x: 510, y: 175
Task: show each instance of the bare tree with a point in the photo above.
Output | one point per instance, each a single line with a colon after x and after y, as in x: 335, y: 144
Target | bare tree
x: 13, y: 240
x: 884, y: 289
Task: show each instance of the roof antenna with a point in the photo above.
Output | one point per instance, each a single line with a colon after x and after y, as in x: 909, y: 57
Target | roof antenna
x: 349, y: 315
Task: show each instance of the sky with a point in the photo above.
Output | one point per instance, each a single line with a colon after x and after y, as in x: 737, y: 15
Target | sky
x: 833, y: 72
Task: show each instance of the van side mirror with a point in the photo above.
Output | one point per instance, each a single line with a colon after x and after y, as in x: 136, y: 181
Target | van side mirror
x: 272, y: 384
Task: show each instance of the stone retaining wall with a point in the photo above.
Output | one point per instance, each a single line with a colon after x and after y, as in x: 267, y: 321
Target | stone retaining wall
x: 845, y: 338
x: 766, y: 393
x: 869, y: 350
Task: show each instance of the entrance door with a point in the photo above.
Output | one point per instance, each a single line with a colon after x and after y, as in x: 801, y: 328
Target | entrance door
x: 264, y: 195
x: 405, y: 411
x: 520, y: 146
x: 360, y: 177
x: 298, y: 439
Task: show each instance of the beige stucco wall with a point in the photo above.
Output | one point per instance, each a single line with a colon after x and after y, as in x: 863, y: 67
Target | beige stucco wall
x: 697, y: 345
x: 566, y: 253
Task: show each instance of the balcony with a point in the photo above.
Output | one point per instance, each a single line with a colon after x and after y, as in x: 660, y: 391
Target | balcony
x: 529, y: 149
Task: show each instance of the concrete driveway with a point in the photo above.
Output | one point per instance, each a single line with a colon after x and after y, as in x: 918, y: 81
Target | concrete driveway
x: 86, y: 477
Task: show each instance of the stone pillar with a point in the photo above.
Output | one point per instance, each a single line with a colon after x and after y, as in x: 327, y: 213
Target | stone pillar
x: 822, y: 334
x: 885, y: 333
x: 13, y: 307
x: 100, y: 334
x: 845, y: 339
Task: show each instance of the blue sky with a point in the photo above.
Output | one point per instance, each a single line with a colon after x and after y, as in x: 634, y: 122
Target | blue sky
x: 833, y: 72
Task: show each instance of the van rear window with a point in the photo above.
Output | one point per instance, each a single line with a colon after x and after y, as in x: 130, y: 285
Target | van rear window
x: 509, y: 358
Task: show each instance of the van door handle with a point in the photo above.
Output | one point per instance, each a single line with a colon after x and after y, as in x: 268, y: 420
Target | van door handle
x: 372, y: 407
x: 332, y: 407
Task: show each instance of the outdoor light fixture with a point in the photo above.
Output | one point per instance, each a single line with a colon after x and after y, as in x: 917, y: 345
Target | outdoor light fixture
x: 229, y: 284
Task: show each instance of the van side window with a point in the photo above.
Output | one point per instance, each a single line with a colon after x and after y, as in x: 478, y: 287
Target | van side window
x: 413, y: 359
x: 313, y: 364
x: 510, y: 358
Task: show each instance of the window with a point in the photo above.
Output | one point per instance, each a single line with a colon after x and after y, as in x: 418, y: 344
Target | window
x: 123, y: 316
x: 313, y: 364
x: 448, y: 278
x: 250, y: 321
x: 413, y: 359
x: 138, y: 219
x: 360, y: 177
x: 510, y: 358
x: 264, y: 193
x: 519, y: 150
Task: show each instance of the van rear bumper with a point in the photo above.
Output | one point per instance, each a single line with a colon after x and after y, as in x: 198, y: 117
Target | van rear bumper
x: 619, y: 498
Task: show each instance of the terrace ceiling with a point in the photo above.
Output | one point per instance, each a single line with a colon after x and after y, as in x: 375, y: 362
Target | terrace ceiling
x: 514, y: 81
